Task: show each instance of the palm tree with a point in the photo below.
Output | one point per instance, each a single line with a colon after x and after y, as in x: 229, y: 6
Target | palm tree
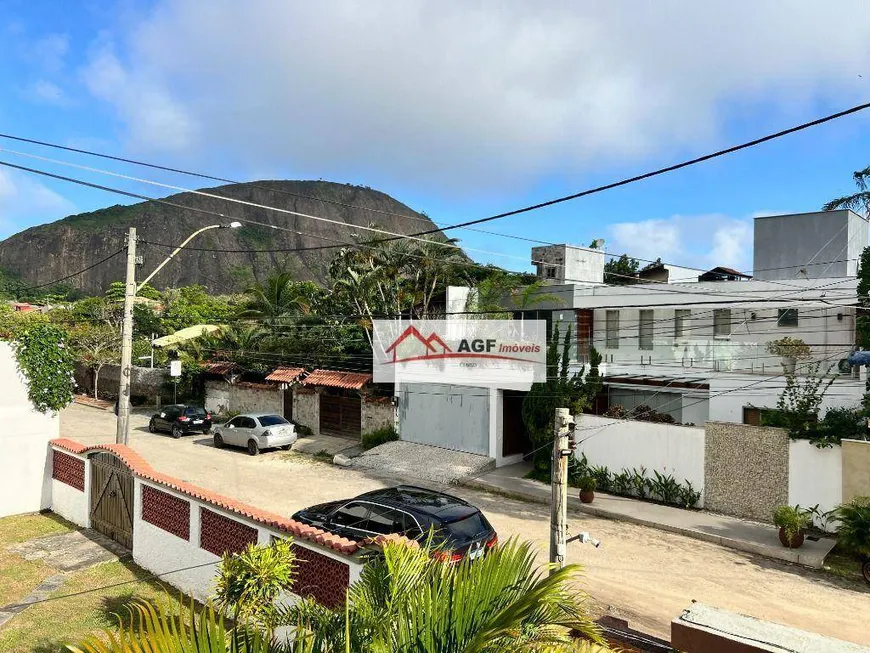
x: 858, y: 202
x: 405, y: 601
x: 275, y: 300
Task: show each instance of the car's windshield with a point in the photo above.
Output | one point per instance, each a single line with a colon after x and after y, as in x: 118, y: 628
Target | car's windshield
x: 194, y: 411
x: 272, y: 420
x: 464, y: 529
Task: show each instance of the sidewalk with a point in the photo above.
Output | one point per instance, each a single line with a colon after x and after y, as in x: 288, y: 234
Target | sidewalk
x: 732, y: 532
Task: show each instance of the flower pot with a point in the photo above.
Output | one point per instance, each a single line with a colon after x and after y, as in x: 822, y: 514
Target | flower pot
x: 796, y: 541
x: 587, y: 496
x: 789, y: 363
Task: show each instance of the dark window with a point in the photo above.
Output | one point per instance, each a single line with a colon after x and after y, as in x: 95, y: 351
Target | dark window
x: 611, y: 330
x: 465, y: 529
x: 249, y: 423
x: 236, y: 421
x: 682, y: 317
x: 788, y: 317
x: 551, y: 273
x: 384, y: 520
x: 172, y: 412
x: 645, y: 330
x: 722, y: 322
x: 352, y: 515
x: 193, y: 411
x: 272, y: 420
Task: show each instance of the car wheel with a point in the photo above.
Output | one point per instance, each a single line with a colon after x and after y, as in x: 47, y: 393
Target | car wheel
x: 286, y: 447
x: 206, y: 431
x: 218, y: 441
x: 865, y: 570
x: 151, y: 427
x: 176, y: 431
x: 253, y: 448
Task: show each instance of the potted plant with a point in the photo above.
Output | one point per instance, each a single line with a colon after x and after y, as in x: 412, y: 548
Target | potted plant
x: 789, y: 350
x: 793, y: 522
x: 587, y: 485
x: 854, y: 533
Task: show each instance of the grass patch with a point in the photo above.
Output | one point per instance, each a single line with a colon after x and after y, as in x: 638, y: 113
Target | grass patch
x: 47, y: 627
x: 378, y: 436
x: 18, y: 577
x: 21, y: 528
x: 845, y: 565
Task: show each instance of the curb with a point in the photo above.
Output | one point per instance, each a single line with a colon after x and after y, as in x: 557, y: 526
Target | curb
x: 794, y: 556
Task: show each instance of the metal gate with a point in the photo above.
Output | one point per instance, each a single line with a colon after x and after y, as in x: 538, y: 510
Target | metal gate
x: 112, y: 498
x: 341, y: 416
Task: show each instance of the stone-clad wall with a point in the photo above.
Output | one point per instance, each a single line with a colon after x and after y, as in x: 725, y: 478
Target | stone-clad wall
x: 745, y: 470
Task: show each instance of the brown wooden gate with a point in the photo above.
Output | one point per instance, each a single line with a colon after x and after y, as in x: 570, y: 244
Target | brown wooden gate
x: 341, y: 416
x: 112, y: 498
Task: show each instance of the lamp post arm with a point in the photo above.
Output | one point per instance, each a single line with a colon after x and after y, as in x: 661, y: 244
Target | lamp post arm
x: 174, y: 252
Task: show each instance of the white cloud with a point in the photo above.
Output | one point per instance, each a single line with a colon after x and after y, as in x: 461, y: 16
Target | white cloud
x: 699, y: 241
x: 45, y: 92
x: 467, y: 95
x: 25, y: 202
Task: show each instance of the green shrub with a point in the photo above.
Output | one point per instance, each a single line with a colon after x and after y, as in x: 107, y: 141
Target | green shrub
x: 854, y: 517
x: 792, y: 520
x: 379, y: 436
x: 586, y: 484
x: 602, y: 477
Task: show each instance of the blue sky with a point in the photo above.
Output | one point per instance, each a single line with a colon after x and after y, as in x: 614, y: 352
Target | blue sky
x: 458, y: 110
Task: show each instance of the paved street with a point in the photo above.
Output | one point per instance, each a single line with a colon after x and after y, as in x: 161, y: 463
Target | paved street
x: 644, y: 575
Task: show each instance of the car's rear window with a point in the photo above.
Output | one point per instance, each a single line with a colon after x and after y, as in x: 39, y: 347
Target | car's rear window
x: 193, y: 411
x: 465, y: 529
x: 272, y: 420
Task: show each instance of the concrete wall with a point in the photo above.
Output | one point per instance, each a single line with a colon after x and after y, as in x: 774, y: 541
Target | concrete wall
x: 69, y: 502
x: 160, y: 552
x: 377, y: 414
x: 790, y: 243
x: 746, y: 470
x: 145, y: 381
x: 815, y: 476
x: 676, y: 450
x: 454, y: 417
x: 25, y: 465
x: 569, y: 264
x: 222, y: 397
x: 306, y: 408
x: 856, y: 469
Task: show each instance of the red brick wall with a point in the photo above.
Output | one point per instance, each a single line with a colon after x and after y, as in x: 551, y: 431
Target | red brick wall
x: 320, y: 577
x: 219, y: 534
x: 166, y: 511
x: 68, y: 469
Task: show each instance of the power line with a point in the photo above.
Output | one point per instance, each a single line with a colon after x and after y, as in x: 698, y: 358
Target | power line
x: 655, y: 173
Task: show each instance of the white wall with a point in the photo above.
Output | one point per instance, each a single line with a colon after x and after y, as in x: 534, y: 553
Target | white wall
x: 676, y: 450
x: 67, y: 501
x: 221, y: 397
x: 160, y: 552
x: 815, y: 476
x: 25, y: 465
x: 217, y: 397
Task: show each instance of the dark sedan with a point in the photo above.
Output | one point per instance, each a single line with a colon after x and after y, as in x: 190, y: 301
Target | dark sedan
x: 458, y: 528
x: 181, y: 419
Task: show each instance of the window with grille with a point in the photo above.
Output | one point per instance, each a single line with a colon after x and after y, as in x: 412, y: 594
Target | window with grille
x: 722, y: 322
x: 611, y: 330
x: 682, y: 318
x: 645, y: 330
x: 788, y: 317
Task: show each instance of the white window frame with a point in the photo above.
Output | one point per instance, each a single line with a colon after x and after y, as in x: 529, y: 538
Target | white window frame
x: 611, y: 330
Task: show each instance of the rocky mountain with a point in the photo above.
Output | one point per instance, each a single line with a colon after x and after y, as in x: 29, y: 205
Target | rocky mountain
x: 47, y: 252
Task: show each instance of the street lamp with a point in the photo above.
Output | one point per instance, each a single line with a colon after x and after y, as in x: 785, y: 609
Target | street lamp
x: 122, y: 432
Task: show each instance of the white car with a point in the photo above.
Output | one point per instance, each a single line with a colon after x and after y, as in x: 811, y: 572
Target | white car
x: 256, y: 431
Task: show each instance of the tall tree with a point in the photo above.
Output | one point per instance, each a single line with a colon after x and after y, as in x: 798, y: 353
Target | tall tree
x: 96, y: 345
x: 621, y: 271
x: 858, y: 201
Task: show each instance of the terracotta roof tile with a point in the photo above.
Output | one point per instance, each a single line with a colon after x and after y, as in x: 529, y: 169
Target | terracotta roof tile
x: 286, y: 374
x: 337, y: 379
x: 219, y: 367
x: 140, y: 467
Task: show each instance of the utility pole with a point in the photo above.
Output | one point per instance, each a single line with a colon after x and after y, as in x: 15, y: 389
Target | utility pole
x: 559, y: 483
x: 122, y: 435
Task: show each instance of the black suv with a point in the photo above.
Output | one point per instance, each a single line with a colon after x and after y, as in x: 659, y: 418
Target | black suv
x: 458, y: 528
x: 181, y: 419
